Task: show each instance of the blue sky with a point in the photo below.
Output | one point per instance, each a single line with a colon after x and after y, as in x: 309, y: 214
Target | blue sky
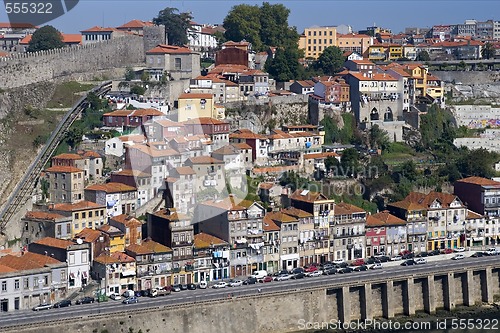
x: 395, y: 15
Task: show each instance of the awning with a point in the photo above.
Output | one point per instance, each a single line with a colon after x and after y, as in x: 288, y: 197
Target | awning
x: 216, y: 265
x: 71, y: 275
x: 241, y: 241
x: 128, y: 273
x: 85, y: 275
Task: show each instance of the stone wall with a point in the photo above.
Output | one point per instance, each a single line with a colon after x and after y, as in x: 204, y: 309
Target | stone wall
x: 28, y: 68
x: 468, y: 77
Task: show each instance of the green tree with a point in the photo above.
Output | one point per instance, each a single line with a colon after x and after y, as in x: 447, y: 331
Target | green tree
x: 138, y: 90
x: 488, y: 51
x: 243, y: 22
x: 330, y: 61
x: 477, y: 162
x: 176, y: 24
x: 409, y: 171
x: 129, y: 74
x: 423, y: 56
x: 349, y: 162
x: 220, y: 38
x: 74, y: 136
x: 274, y: 30
x: 378, y: 138
x: 279, y: 67
x: 45, y: 38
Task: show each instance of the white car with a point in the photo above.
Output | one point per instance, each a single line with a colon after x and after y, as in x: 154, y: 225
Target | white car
x: 375, y: 266
x: 458, y: 256
x: 235, y: 283
x: 459, y: 249
x: 115, y: 297
x: 283, y: 277
x: 220, y: 285
x: 396, y: 258
x: 315, y: 273
x: 420, y: 261
x: 338, y: 261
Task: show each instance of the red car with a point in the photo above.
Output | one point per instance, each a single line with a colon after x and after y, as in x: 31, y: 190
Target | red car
x: 267, y: 279
x: 359, y: 262
x: 310, y: 269
x: 447, y: 251
x: 405, y: 252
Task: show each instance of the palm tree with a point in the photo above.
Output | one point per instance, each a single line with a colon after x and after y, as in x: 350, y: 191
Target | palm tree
x: 488, y: 51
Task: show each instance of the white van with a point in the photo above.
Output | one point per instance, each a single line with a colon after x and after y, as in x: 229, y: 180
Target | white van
x: 203, y: 285
x: 259, y: 275
x: 492, y: 251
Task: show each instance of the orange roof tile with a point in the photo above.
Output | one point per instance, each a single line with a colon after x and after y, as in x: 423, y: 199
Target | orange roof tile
x: 383, y: 219
x: 99, y: 29
x: 407, y: 205
x: 130, y: 172
x: 281, y: 217
x: 343, y: 208
x: 204, y: 121
x: 6, y: 269
x: 110, y: 230
x: 135, y: 24
x: 88, y: 235
x: 68, y: 156
x: 39, y: 215
x: 242, y: 145
x: 195, y: 96
x: 169, y: 49
x: 478, y: 181
x: 269, y: 225
x: 204, y: 241
x: 82, y: 205
x: 185, y: 170
x: 307, y: 196
x: 266, y: 186
x: 114, y: 258
x: 154, y: 152
x: 298, y: 213
x: 63, y: 169
x: 111, y: 188
x: 245, y: 134
x: 229, y: 203
x: 374, y: 77
x: 135, y: 113
x: 55, y: 242
x: 127, y: 220
x: 204, y: 160
x: 27, y: 261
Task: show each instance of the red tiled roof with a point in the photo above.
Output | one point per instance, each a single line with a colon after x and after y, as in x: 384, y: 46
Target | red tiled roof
x: 111, y: 188
x: 204, y: 160
x: 307, y: 196
x: 17, y: 25
x: 27, y: 261
x: 245, y: 134
x: 242, y: 145
x: 126, y: 220
x: 114, y: 258
x: 204, y: 241
x: 269, y: 225
x: 88, y: 235
x: 343, y: 208
x: 68, y: 156
x: 63, y: 169
x: 43, y: 215
x: 135, y: 24
x: 130, y: 172
x: 374, y: 77
x: 185, y: 170
x: 55, y: 242
x: 204, y: 121
x: 66, y: 38
x: 298, y: 213
x: 99, y: 29
x: 82, y: 205
x: 383, y: 219
x: 169, y: 49
x: 478, y: 181
x: 135, y: 113
x: 195, y: 96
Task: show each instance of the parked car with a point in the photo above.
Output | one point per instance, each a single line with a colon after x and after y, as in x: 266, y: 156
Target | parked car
x: 115, y: 297
x: 446, y: 251
x: 184, y: 286
x: 381, y: 253
x: 250, y: 280
x: 478, y: 254
x: 85, y: 300
x: 358, y: 262
x: 422, y: 255
x: 330, y: 271
x: 139, y: 293
x: 62, y: 304
x: 220, y: 285
x: 128, y: 293
x: 408, y: 256
x: 376, y: 266
x: 266, y: 279
x: 459, y: 249
x: 314, y: 274
x: 191, y: 286
x: 345, y: 270
x: 339, y: 261
x: 410, y: 262
x: 235, y: 283
x: 310, y: 268
x: 458, y: 256
x: 42, y: 306
x: 297, y: 270
x: 434, y: 253
x: 420, y: 261
x: 396, y: 258
x: 361, y: 268
x: 299, y: 275
x: 327, y: 267
x: 283, y: 277
x: 131, y: 300
x: 405, y: 252
x: 176, y: 288
x: 203, y: 285
x: 384, y: 259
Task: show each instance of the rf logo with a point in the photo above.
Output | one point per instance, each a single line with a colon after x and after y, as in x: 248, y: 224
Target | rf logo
x: 37, y: 12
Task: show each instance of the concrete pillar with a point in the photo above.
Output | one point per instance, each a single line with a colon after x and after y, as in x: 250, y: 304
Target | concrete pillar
x: 345, y: 306
x: 449, y: 292
x: 408, y: 297
x: 429, y: 295
x: 388, y: 300
x: 366, y: 305
x: 487, y: 286
x: 468, y: 288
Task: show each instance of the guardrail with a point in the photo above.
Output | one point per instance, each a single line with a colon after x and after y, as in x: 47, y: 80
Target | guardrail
x: 25, y: 187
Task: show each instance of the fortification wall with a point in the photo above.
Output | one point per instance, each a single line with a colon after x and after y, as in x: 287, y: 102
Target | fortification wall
x: 76, y: 62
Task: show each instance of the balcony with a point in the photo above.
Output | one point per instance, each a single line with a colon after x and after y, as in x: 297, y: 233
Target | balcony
x: 176, y: 270
x: 152, y: 272
x: 189, y: 268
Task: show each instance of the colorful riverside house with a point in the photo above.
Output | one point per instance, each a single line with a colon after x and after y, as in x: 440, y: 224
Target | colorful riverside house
x: 385, y: 233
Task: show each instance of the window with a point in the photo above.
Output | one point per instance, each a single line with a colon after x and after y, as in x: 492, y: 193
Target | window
x: 178, y: 63
x: 4, y: 285
x: 26, y: 283
x: 84, y: 257
x: 63, y: 275
x: 71, y: 258
x: 35, y: 282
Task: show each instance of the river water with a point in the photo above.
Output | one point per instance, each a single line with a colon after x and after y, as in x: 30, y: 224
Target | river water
x: 464, y: 320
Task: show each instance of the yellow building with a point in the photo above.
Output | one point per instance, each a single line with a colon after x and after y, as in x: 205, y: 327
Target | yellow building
x: 358, y: 43
x: 196, y: 106
x: 394, y: 52
x: 85, y: 214
x: 316, y: 39
x: 376, y: 52
x: 116, y: 238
